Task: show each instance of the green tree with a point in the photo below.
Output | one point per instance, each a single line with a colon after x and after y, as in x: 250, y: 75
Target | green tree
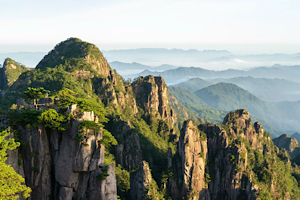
x: 11, y: 183
x: 35, y: 93
x: 53, y: 120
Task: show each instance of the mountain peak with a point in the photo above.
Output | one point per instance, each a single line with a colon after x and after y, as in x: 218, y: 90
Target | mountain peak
x: 75, y: 52
x: 297, y: 136
x: 70, y: 48
x: 10, y: 72
x: 238, y: 114
x: 289, y: 144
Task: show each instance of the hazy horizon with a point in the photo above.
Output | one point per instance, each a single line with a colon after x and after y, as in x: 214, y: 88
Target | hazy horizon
x: 237, y: 49
x: 256, y: 27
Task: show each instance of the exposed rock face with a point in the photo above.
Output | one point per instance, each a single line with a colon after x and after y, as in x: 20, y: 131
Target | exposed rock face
x: 57, y: 166
x: 189, y: 164
x: 142, y: 184
x: 288, y: 144
x: 226, y: 181
x: 227, y: 160
x: 15, y: 159
x: 128, y: 153
x: 240, y: 124
x: 151, y: 95
x: 210, y: 164
x: 10, y: 72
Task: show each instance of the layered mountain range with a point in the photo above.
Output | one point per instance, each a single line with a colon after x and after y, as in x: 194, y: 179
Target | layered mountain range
x: 277, y: 117
x: 181, y: 74
x: 96, y: 136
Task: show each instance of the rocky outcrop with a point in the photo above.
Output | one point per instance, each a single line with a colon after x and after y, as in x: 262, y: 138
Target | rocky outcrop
x: 223, y: 160
x: 189, y: 165
x: 212, y: 160
x: 152, y: 96
x: 288, y: 144
x: 142, y: 185
x: 227, y: 158
x: 56, y: 165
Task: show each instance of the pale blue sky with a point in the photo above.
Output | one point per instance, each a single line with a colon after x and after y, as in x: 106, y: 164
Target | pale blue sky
x: 262, y: 26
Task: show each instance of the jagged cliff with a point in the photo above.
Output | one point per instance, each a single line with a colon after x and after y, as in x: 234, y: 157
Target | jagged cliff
x: 189, y: 165
x: 152, y: 96
x: 241, y: 162
x: 10, y: 72
x: 56, y: 166
x: 288, y: 144
x: 151, y: 159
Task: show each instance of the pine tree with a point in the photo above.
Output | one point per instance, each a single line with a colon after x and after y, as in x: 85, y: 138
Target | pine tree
x: 11, y: 183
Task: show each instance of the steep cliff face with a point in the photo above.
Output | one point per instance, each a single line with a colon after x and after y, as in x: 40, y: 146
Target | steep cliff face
x: 57, y: 166
x: 143, y: 186
x: 189, y: 165
x: 288, y: 144
x: 10, y: 72
x: 128, y: 153
x: 235, y: 160
x: 227, y: 164
x: 152, y: 96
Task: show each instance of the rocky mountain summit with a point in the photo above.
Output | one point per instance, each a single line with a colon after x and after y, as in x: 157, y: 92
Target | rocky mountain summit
x: 288, y: 144
x: 106, y: 138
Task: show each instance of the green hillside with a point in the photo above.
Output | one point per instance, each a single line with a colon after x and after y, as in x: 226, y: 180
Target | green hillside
x: 194, y: 84
x: 226, y: 96
x: 10, y: 72
x: 272, y: 90
x: 185, y: 96
x: 197, y: 105
x: 267, y: 89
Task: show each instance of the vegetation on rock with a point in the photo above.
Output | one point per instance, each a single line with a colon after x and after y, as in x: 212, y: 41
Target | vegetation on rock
x: 138, y: 125
x: 11, y: 183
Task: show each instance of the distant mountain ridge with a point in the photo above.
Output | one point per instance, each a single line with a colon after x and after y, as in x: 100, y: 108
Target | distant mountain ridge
x: 273, y: 90
x: 164, y: 50
x: 159, y: 56
x: 181, y: 74
x: 29, y: 59
x: 129, y: 68
x: 297, y: 136
x: 283, y: 116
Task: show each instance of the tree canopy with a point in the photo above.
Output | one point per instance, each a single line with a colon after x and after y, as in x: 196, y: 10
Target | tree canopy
x: 35, y: 93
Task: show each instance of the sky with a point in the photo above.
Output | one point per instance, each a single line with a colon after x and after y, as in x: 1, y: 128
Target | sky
x: 240, y: 26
